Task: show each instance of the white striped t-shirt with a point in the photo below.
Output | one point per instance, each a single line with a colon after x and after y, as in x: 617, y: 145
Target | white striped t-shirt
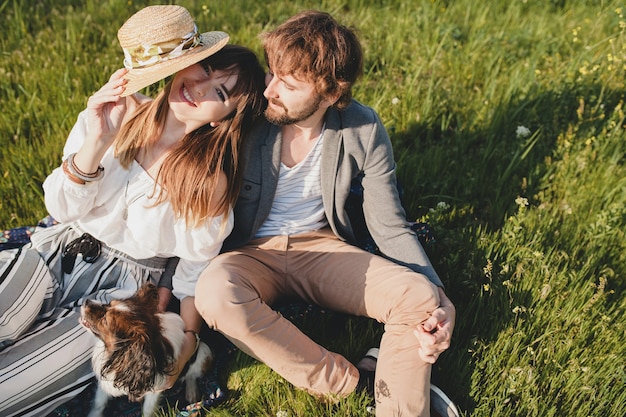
x: 297, y: 205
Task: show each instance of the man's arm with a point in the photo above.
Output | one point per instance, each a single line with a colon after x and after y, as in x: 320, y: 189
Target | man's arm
x: 384, y: 215
x: 386, y: 220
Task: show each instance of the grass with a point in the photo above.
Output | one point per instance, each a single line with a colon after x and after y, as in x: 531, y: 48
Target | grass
x: 530, y: 228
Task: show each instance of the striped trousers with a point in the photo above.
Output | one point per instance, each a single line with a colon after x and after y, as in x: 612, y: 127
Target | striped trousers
x: 45, y: 354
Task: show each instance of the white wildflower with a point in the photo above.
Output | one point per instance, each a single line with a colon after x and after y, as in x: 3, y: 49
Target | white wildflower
x: 519, y: 309
x: 442, y: 205
x: 395, y: 101
x: 522, y: 132
x: 282, y: 413
x: 521, y: 201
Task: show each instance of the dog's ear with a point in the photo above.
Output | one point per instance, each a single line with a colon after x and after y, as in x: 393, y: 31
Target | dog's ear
x: 138, y: 363
x: 135, y: 370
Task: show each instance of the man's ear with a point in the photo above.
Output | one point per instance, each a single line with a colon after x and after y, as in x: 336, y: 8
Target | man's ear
x: 331, y: 100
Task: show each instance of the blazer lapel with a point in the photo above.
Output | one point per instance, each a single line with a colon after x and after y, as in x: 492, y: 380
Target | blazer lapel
x: 330, y: 160
x: 270, y: 165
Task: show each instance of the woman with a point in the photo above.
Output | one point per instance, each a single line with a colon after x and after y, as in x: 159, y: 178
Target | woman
x: 142, y: 181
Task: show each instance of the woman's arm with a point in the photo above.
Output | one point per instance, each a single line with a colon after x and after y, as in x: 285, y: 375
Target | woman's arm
x: 193, y: 322
x: 106, y: 109
x: 67, y: 196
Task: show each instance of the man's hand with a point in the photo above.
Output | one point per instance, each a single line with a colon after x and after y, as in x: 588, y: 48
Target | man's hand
x: 435, y: 333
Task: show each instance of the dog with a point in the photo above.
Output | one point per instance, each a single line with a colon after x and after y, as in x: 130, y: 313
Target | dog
x: 136, y: 350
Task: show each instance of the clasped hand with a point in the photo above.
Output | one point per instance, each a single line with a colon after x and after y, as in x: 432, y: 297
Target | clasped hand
x: 434, y: 334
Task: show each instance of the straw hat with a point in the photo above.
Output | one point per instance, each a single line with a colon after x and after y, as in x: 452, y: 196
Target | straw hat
x: 161, y: 40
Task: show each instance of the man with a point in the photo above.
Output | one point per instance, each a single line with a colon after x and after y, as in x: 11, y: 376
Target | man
x: 293, y: 235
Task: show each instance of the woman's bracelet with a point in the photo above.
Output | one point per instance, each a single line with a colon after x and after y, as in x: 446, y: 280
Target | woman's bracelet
x: 71, y: 176
x: 77, y: 173
x: 195, y: 333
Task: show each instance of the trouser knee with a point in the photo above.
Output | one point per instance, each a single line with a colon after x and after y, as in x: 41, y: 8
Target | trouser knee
x: 223, y: 302
x: 416, y: 304
x: 211, y: 298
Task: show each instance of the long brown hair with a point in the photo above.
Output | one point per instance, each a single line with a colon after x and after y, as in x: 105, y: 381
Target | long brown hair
x: 190, y: 172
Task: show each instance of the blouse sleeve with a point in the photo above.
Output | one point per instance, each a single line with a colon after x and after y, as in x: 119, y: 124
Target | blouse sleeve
x: 207, y: 243
x: 66, y: 200
x: 186, y: 276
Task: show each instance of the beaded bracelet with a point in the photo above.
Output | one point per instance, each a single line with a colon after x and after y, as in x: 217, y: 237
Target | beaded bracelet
x: 87, y: 177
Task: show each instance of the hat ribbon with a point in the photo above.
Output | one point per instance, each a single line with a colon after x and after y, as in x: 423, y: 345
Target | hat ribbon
x: 149, y: 54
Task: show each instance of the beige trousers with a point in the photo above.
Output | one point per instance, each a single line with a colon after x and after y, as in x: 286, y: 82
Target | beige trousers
x: 234, y: 295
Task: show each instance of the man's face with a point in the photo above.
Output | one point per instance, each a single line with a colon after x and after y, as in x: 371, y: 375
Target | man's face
x: 290, y: 100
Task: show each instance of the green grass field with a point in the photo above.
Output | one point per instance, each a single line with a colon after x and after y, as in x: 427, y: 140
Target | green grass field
x: 507, y: 119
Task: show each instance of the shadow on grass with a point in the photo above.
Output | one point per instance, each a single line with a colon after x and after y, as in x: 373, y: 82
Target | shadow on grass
x: 479, y: 173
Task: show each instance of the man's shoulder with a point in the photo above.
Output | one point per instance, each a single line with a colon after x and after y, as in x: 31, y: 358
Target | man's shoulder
x: 356, y: 120
x: 356, y: 114
x: 356, y: 108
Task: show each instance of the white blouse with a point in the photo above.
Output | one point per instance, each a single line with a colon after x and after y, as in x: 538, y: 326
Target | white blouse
x: 118, y: 210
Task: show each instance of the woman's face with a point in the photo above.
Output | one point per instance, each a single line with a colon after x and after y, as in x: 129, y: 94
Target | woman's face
x: 200, y: 95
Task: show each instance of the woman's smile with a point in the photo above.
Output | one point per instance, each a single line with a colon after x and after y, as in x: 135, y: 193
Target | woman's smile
x: 185, y: 95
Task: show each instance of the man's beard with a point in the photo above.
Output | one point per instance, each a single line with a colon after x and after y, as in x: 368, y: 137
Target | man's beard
x: 282, y: 119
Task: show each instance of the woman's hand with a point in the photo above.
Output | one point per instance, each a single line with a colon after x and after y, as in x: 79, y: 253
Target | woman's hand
x: 435, y: 333
x: 187, y: 351
x: 165, y: 295
x: 193, y: 322
x: 105, y: 111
